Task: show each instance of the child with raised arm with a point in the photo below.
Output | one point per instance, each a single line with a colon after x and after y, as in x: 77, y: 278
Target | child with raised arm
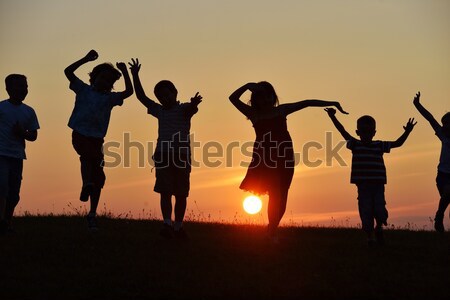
x: 272, y: 166
x: 18, y: 123
x: 443, y: 172
x: 172, y: 155
x: 89, y: 122
x: 369, y: 172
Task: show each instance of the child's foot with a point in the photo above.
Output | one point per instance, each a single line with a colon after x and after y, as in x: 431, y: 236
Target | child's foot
x: 85, y: 192
x: 379, y: 236
x: 92, y: 223
x: 166, y: 231
x: 181, y: 234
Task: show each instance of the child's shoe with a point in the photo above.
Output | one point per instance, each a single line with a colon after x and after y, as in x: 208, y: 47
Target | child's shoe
x: 379, y: 236
x: 92, y: 223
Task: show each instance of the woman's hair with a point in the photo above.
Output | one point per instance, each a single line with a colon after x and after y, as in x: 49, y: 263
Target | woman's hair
x: 105, y: 67
x: 263, y: 96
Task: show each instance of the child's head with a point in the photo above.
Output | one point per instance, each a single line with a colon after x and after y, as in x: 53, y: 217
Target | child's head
x: 446, y: 124
x: 264, y: 96
x: 166, y: 93
x: 16, y: 86
x: 103, y: 77
x: 366, y: 128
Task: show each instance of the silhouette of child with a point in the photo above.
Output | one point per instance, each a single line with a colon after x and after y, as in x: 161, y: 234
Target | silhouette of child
x: 18, y: 123
x: 172, y: 155
x: 369, y: 172
x: 272, y: 166
x: 443, y: 174
x: 89, y: 121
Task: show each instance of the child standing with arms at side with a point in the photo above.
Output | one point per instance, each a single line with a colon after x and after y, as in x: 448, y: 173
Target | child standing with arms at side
x: 89, y: 121
x: 18, y: 123
x: 369, y: 172
x: 272, y: 166
x: 443, y: 174
x: 173, y: 153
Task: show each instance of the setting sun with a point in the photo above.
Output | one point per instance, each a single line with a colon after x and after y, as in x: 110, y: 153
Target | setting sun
x: 252, y: 205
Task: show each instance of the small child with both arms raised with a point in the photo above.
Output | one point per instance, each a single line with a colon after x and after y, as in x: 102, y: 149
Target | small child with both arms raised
x: 89, y: 122
x: 172, y: 154
x: 443, y: 175
x: 369, y: 172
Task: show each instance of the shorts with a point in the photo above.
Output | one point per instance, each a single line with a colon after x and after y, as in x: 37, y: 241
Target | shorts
x: 371, y: 205
x: 172, y: 173
x: 10, y: 178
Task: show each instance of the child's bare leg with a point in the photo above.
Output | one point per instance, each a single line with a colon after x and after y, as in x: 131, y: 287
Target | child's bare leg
x: 166, y: 208
x: 180, y: 208
x: 95, y: 199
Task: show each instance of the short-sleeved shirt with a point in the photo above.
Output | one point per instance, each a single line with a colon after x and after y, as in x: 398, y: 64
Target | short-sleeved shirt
x: 444, y: 159
x: 92, y: 111
x: 367, y: 161
x: 10, y: 114
x: 174, y: 125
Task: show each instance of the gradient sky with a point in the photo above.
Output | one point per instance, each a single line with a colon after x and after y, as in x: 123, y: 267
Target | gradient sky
x: 372, y: 56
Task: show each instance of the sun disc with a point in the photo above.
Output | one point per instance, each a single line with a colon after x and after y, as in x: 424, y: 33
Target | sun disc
x: 252, y: 205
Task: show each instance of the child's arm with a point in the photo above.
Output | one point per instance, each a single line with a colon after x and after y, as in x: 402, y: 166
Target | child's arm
x: 128, y: 85
x: 29, y: 135
x: 195, y: 101
x: 408, y: 128
x: 296, y: 106
x: 135, y: 66
x: 70, y: 70
x: 245, y: 109
x: 425, y: 113
x: 332, y: 114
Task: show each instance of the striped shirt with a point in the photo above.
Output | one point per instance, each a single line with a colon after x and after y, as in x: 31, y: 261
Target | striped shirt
x: 367, y: 161
x: 174, y: 125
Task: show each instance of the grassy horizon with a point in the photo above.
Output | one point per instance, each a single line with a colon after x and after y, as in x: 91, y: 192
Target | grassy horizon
x: 57, y: 257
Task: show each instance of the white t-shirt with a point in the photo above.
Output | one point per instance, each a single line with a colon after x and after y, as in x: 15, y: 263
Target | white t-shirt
x: 92, y: 111
x: 10, y: 144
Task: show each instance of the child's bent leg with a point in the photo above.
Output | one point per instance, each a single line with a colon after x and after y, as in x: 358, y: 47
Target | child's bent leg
x: 380, y: 211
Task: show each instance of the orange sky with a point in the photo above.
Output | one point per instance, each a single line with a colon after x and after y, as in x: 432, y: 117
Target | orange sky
x: 373, y: 56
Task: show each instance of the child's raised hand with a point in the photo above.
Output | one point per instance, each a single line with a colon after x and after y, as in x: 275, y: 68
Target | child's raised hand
x: 196, y: 99
x: 91, y: 56
x: 338, y: 106
x: 121, y: 66
x: 410, y: 125
x: 417, y: 98
x: 331, y: 111
x: 135, y: 66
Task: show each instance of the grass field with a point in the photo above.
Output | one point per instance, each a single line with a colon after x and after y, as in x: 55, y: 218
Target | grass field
x: 57, y: 258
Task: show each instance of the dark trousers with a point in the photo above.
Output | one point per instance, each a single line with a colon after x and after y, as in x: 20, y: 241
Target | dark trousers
x: 91, y: 158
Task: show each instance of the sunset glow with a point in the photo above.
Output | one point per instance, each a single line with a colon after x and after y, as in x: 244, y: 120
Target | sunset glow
x: 252, y: 205
x: 371, y: 56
